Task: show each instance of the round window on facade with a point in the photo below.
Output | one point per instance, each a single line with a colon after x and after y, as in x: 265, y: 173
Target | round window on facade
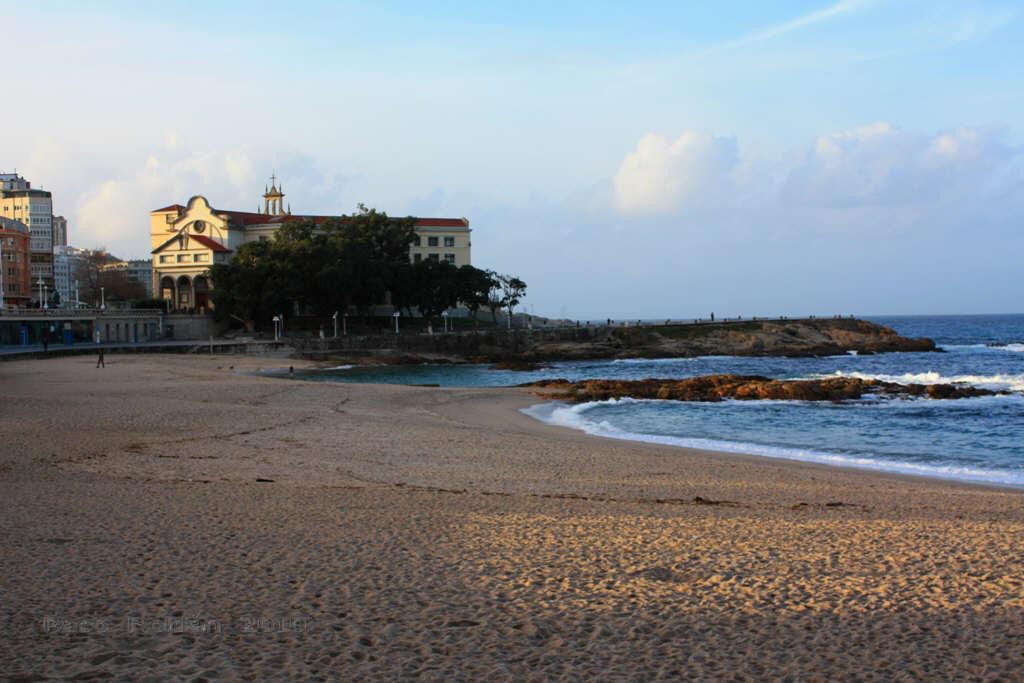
x: 199, y: 226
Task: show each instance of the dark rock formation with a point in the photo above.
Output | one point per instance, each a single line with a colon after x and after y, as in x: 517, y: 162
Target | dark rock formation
x: 805, y: 337
x: 747, y: 388
x: 790, y: 338
x: 519, y: 365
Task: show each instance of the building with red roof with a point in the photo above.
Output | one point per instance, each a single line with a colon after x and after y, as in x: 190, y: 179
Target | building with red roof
x: 187, y: 240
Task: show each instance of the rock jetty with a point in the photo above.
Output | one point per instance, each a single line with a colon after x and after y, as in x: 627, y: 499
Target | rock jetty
x: 747, y: 388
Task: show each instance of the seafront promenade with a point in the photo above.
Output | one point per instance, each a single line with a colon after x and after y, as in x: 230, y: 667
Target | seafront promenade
x: 167, y: 346
x: 584, y: 337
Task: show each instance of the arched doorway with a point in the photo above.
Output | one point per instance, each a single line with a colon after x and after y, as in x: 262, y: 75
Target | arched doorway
x: 185, y: 293
x: 201, y: 285
x: 167, y: 290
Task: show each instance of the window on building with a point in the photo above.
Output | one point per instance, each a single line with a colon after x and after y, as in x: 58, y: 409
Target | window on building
x: 449, y: 241
x: 431, y: 241
x: 197, y: 258
x: 450, y: 258
x: 416, y: 258
x: 182, y: 257
x: 166, y: 259
x: 417, y: 241
x: 434, y: 257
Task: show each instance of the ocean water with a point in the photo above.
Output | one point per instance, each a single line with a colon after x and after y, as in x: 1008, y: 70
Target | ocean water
x: 980, y: 439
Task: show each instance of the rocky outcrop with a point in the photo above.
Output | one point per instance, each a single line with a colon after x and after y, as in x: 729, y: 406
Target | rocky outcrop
x: 747, y: 388
x: 797, y: 338
x: 523, y: 349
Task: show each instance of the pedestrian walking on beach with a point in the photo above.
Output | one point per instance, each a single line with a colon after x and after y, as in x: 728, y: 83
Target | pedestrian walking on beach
x: 99, y: 360
x: 46, y: 343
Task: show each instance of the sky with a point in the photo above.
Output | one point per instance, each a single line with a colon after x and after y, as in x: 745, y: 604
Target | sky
x: 627, y: 160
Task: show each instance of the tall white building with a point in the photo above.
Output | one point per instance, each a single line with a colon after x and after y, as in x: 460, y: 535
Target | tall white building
x: 34, y: 208
x: 66, y: 261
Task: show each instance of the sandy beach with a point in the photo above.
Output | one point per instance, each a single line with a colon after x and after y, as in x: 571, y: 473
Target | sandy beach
x: 181, y: 517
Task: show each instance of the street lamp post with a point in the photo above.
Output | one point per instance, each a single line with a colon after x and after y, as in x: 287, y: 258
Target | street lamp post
x: 444, y: 316
x: 344, y: 324
x: 42, y: 300
x: 396, y: 315
x: 335, y: 318
x: 103, y: 299
x: 277, y: 331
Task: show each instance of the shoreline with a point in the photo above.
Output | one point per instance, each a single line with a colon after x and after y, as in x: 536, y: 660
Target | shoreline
x: 516, y: 402
x: 878, y: 468
x: 538, y: 399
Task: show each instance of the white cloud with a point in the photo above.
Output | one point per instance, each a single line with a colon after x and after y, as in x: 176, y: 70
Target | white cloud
x: 875, y: 165
x: 114, y: 211
x: 663, y: 175
x: 883, y: 165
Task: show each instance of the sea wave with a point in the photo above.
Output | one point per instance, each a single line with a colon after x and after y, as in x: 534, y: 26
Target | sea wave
x: 339, y: 367
x: 575, y: 417
x: 1015, y: 347
x: 996, y: 382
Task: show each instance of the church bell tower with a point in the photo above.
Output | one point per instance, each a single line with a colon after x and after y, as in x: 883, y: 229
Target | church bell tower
x: 273, y: 199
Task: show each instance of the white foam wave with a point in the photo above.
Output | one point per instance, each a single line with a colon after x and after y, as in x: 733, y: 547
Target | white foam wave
x: 574, y: 417
x: 1015, y: 347
x: 995, y: 382
x: 340, y: 367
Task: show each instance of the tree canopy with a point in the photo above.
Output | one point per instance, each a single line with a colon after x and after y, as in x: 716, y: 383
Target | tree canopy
x: 338, y: 264
x: 98, y: 281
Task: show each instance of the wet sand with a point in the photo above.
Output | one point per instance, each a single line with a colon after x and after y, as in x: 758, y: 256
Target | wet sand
x: 173, y: 518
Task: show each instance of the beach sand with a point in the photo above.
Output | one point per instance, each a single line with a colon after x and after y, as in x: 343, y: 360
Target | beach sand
x: 170, y: 517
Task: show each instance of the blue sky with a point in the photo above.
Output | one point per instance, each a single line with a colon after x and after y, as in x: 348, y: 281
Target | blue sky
x: 646, y: 159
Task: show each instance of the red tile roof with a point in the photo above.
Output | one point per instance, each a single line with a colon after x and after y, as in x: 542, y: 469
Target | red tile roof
x: 247, y: 218
x: 202, y: 239
x: 442, y: 222
x: 209, y: 243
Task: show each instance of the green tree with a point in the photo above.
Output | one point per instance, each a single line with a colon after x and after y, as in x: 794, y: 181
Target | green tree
x: 437, y: 287
x: 253, y: 286
x: 494, y: 294
x: 512, y: 291
x: 347, y: 262
x: 474, y: 287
